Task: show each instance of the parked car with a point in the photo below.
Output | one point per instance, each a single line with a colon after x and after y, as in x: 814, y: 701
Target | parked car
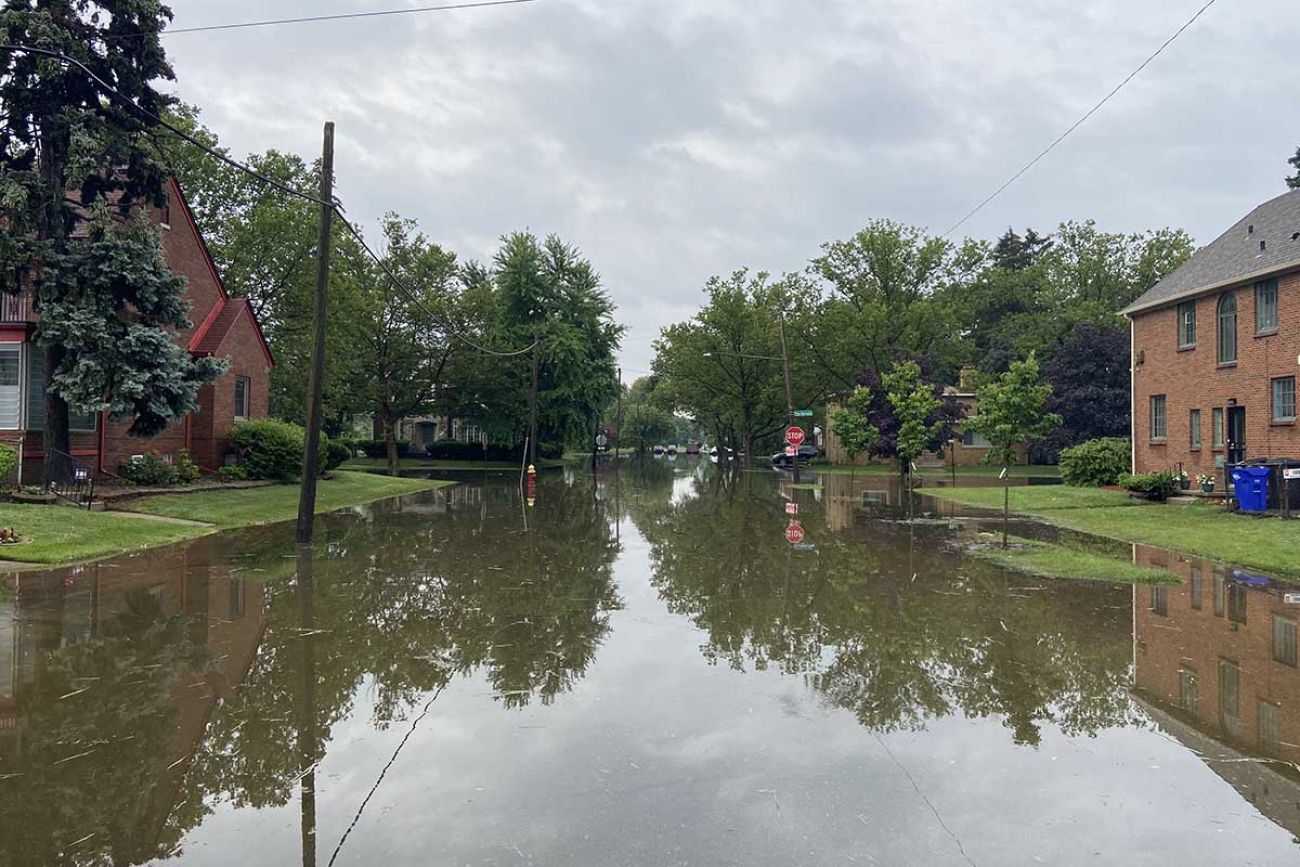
x: 659, y: 450
x: 692, y: 448
x: 807, y: 452
x: 672, y: 449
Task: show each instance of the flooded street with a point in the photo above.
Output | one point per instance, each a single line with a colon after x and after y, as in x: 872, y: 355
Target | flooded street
x: 641, y: 669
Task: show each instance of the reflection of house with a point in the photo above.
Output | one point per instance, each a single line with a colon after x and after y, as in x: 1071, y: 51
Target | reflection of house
x: 59, y: 614
x: 1219, y: 654
x: 1215, y: 346
x: 223, y: 326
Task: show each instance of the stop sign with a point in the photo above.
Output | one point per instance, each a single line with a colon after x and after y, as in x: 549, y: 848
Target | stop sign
x: 794, y: 533
x: 794, y: 435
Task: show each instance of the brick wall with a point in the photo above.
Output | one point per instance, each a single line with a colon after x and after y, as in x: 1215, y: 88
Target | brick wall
x: 216, y: 417
x: 1193, y: 379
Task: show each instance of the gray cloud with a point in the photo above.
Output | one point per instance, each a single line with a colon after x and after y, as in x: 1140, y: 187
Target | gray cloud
x: 677, y: 139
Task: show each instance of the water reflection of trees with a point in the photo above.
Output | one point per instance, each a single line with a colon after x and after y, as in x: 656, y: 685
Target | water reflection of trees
x: 888, y: 621
x: 401, y: 605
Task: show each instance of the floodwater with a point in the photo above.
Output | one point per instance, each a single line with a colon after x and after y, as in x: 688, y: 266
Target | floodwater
x: 645, y: 667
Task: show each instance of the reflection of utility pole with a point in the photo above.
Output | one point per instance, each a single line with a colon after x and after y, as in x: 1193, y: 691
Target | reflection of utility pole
x: 789, y: 392
x: 532, y: 407
x: 307, y: 737
x: 618, y: 419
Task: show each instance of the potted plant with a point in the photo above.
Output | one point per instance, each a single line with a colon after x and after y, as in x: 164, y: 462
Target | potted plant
x: 33, y: 494
x: 1184, y: 481
x: 1206, y: 481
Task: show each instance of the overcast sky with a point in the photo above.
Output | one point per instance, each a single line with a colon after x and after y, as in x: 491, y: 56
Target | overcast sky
x: 676, y: 139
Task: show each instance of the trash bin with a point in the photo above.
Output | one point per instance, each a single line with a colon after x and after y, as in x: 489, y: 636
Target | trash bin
x: 1250, y: 485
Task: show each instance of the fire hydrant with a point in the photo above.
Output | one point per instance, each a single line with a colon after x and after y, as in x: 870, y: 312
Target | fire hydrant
x: 532, y: 485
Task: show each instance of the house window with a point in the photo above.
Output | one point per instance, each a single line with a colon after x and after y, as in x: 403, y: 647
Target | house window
x: 1216, y: 434
x: 1266, y: 307
x: 1228, y: 329
x: 11, y: 392
x: 1284, y: 399
x: 972, y: 440
x: 1159, y: 422
x: 243, y: 397
x: 78, y: 421
x: 1187, y: 325
x: 1268, y: 728
x: 1160, y: 601
x: 1194, y: 425
x: 1284, y: 640
x: 1220, y: 595
x: 1196, y: 588
x: 1237, y: 603
x: 1188, y: 694
x: 1230, y: 696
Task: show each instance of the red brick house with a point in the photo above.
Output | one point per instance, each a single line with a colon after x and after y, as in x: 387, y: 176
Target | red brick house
x: 1216, y: 350
x: 221, y: 326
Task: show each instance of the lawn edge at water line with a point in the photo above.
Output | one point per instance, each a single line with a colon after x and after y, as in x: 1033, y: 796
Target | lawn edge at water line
x: 1195, y: 530
x: 370, y: 465
x: 62, y: 536
x: 978, y: 471
x: 232, y: 509
x: 1062, y: 562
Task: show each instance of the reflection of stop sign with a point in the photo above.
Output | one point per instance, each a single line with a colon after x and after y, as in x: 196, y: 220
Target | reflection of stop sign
x: 794, y: 435
x: 794, y: 533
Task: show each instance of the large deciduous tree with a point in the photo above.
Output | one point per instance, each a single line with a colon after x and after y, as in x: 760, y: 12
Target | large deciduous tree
x: 69, y: 152
x: 1091, y: 387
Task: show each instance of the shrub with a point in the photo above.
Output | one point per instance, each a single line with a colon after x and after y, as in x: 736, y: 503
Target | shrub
x: 1096, y: 463
x: 1153, y: 486
x: 149, y: 470
x: 8, y: 463
x: 335, y: 454
x: 269, y: 448
x: 225, y: 475
x: 187, y: 472
x: 378, y: 449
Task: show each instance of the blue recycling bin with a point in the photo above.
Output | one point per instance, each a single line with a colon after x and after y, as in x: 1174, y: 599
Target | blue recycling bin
x: 1250, y: 486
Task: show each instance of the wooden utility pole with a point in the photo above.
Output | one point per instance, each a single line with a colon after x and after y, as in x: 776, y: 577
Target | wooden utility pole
x: 532, y: 407
x: 316, y: 379
x: 789, y: 393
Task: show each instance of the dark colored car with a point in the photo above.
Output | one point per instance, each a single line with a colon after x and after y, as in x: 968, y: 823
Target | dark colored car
x: 807, y: 452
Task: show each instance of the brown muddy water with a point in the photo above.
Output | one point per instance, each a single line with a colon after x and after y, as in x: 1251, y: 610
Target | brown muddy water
x: 641, y: 669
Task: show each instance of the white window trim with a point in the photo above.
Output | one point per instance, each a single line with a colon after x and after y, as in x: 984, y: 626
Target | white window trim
x: 248, y: 398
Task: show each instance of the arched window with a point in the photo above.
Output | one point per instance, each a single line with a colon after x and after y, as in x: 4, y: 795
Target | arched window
x: 1228, y: 329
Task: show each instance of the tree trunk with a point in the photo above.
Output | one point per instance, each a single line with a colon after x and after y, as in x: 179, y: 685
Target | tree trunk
x: 390, y: 444
x: 52, y: 228
x: 57, y: 439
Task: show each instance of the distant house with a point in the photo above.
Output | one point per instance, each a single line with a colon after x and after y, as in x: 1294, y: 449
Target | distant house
x: 1216, y: 349
x: 222, y: 326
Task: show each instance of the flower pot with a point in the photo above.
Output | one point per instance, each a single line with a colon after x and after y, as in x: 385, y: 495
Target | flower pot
x: 1184, y: 484
x: 1208, y: 487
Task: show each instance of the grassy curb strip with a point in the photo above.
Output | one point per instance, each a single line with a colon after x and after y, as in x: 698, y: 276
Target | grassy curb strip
x: 1046, y: 560
x: 244, y: 508
x: 1267, y: 544
x: 58, y: 535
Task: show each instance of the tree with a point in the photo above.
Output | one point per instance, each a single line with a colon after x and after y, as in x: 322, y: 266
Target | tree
x: 1293, y: 182
x: 853, y: 426
x: 1089, y: 376
x: 644, y: 425
x: 68, y: 150
x: 1011, y: 413
x: 915, y: 405
x: 399, y: 354
x: 723, y: 367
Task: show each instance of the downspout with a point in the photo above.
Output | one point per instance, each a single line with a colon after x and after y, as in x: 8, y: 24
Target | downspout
x: 1132, y: 393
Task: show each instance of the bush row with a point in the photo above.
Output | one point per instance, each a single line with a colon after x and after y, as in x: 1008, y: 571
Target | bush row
x: 456, y: 450
x: 1096, y: 463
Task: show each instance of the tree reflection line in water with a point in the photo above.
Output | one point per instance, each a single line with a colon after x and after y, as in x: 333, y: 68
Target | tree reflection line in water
x: 398, y: 602
x: 903, y: 650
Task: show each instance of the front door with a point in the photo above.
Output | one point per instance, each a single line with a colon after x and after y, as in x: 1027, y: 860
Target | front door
x: 1236, y: 434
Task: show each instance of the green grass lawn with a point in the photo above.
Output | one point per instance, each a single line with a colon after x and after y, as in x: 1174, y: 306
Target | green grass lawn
x: 1203, y: 530
x: 981, y: 471
x: 59, y: 534
x: 1059, y: 561
x: 244, y: 507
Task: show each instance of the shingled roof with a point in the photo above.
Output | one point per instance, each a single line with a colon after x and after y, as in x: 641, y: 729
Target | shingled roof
x: 1263, y: 243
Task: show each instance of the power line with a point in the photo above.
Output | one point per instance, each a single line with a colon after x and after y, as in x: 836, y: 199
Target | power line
x: 1078, y: 123
x: 285, y: 188
x: 312, y: 19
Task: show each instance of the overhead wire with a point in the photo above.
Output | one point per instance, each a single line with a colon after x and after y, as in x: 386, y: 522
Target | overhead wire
x: 282, y: 187
x: 1080, y: 122
x: 313, y: 19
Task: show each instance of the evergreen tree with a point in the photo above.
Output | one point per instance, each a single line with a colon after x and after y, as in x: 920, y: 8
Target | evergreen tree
x: 1293, y: 182
x: 69, y: 153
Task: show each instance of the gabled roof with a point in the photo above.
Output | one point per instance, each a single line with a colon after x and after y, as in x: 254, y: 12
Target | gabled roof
x: 1264, y: 243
